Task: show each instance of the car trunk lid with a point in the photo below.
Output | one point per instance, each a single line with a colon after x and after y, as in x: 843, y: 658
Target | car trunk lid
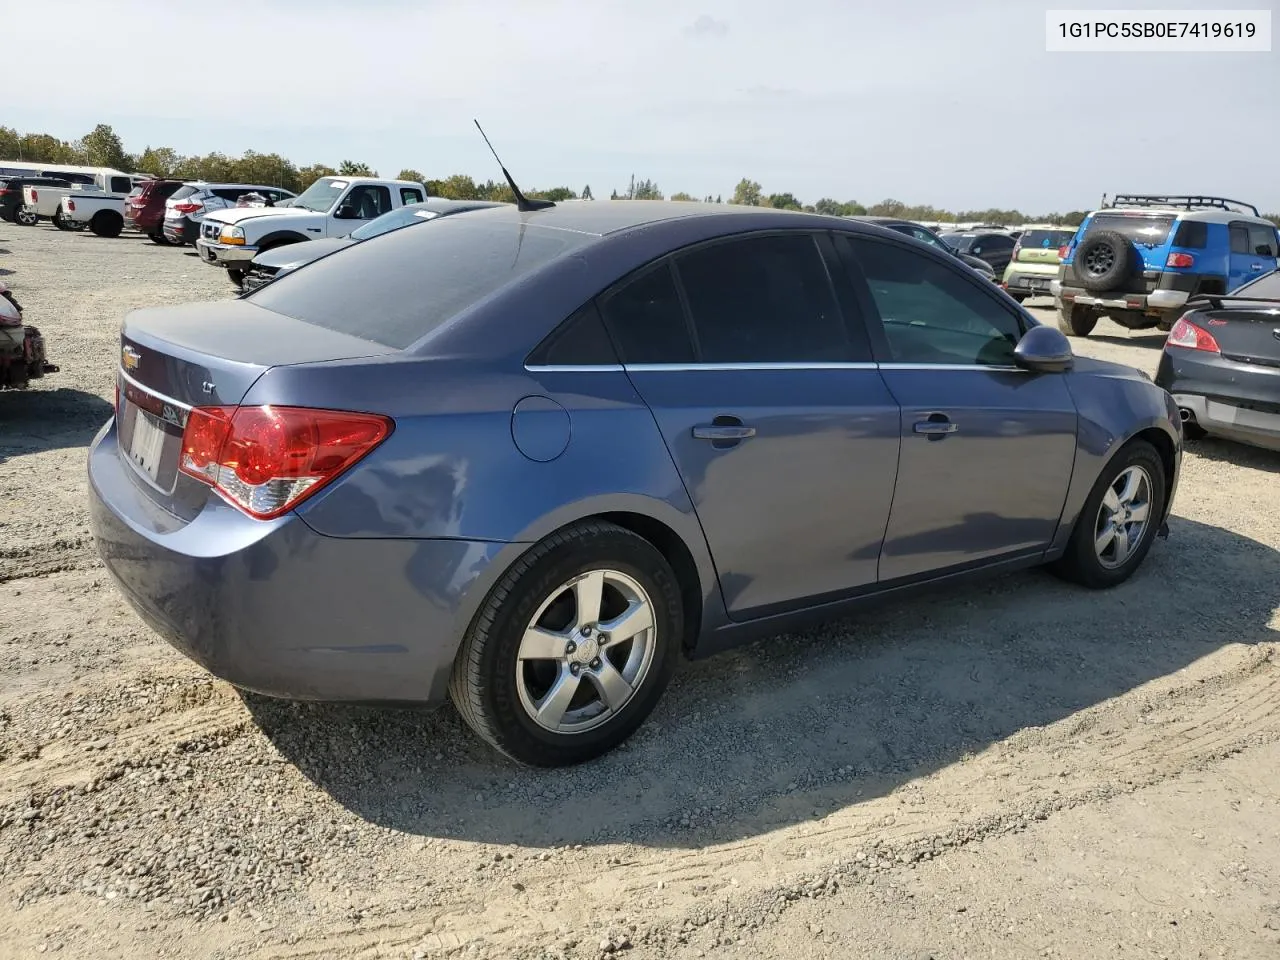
x: 1246, y: 334
x: 173, y: 359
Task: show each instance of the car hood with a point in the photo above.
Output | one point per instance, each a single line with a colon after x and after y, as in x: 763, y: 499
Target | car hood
x: 237, y: 214
x: 293, y: 255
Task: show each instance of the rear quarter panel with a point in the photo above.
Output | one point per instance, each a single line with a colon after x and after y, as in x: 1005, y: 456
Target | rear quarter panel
x: 1115, y: 405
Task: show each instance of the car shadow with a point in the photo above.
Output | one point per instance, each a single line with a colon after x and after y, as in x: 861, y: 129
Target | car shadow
x: 1238, y: 454
x: 1153, y: 340
x: 38, y: 419
x: 797, y: 726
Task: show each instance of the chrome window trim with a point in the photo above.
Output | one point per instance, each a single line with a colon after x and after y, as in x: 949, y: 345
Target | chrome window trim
x: 574, y: 367
x: 674, y: 367
x: 986, y: 367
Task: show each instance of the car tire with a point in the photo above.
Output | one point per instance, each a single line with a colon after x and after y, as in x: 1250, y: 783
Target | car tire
x: 1018, y: 297
x: 25, y: 218
x: 1103, y: 259
x: 1075, y: 320
x: 236, y: 277
x: 527, y: 707
x: 159, y: 238
x: 106, y: 223
x: 1133, y: 480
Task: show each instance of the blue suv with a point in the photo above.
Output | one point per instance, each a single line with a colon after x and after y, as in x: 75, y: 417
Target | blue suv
x: 1139, y: 258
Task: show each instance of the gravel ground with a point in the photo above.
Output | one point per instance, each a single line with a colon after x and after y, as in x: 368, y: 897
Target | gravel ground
x: 1014, y: 769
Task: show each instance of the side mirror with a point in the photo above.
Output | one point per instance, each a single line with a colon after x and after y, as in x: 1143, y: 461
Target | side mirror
x: 1044, y: 350
x: 346, y: 211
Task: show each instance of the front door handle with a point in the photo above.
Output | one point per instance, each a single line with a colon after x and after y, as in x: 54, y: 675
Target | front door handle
x: 723, y: 431
x: 936, y: 426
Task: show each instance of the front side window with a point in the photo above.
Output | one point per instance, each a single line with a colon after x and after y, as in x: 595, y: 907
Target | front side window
x: 367, y: 201
x: 763, y: 300
x: 647, y: 320
x: 930, y: 312
x: 1262, y: 240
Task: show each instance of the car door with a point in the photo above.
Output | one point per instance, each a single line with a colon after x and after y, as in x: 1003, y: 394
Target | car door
x: 363, y: 202
x: 780, y: 426
x: 1245, y: 262
x: 994, y: 248
x: 1263, y: 244
x: 987, y: 447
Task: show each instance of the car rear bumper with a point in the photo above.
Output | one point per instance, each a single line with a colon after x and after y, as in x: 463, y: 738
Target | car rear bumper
x: 183, y: 230
x: 144, y: 220
x: 1155, y: 300
x: 1032, y: 284
x: 225, y: 254
x: 279, y: 609
x: 1226, y: 398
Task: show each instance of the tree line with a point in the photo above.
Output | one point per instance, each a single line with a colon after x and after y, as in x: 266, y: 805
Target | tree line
x: 102, y: 147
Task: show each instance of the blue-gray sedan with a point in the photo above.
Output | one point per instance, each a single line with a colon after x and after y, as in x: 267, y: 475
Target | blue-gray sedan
x: 529, y: 459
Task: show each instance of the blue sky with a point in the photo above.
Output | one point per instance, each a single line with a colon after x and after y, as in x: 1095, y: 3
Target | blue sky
x: 949, y: 102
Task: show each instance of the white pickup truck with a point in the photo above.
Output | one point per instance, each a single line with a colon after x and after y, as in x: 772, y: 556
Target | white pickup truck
x: 108, y: 185
x: 330, y: 207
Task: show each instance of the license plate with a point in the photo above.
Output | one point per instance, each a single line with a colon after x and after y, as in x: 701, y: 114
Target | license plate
x: 146, y: 445
x: 1037, y: 285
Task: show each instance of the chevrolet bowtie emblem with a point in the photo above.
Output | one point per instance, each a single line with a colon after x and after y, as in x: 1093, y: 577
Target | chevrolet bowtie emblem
x: 129, y: 358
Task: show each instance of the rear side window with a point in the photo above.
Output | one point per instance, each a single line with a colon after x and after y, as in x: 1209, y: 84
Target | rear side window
x: 183, y: 192
x: 1262, y: 241
x: 763, y: 300
x: 409, y: 195
x: 121, y: 185
x: 397, y: 288
x: 579, y: 341
x: 1240, y: 238
x: 647, y: 319
x: 1192, y: 234
x: 232, y: 194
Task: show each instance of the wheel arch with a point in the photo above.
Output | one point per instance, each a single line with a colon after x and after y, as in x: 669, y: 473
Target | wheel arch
x: 280, y: 238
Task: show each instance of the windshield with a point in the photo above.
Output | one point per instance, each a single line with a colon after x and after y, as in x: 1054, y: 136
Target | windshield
x: 392, y: 221
x: 1140, y: 228
x: 1045, y: 239
x: 321, y: 195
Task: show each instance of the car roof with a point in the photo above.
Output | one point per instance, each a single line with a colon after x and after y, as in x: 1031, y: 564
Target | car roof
x: 1202, y: 216
x: 446, y: 205
x: 600, y: 218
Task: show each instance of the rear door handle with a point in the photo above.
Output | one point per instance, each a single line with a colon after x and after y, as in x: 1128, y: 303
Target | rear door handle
x: 723, y: 431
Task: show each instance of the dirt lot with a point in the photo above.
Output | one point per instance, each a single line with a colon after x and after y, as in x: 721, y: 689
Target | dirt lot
x: 1018, y: 769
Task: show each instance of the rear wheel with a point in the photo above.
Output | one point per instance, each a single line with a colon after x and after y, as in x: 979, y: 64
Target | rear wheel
x: 1119, y: 519
x: 159, y: 238
x: 572, y: 649
x: 1075, y: 320
x: 107, y: 223
x: 25, y: 217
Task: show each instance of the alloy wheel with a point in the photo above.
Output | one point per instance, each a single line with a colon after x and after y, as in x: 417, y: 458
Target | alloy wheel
x: 1123, y: 517
x: 586, y: 652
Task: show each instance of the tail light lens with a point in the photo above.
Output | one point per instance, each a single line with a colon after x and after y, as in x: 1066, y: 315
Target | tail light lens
x: 187, y: 207
x: 71, y: 206
x: 35, y: 195
x: 267, y: 460
x: 1063, y: 251
x: 1187, y: 334
x: 1180, y: 260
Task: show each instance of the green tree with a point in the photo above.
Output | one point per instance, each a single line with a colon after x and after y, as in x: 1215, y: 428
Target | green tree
x: 266, y: 168
x: 586, y: 193
x: 460, y: 187
x: 555, y: 194
x: 102, y: 148
x: 682, y: 196
x: 408, y: 173
x: 350, y: 168
x: 309, y: 175
x: 782, y: 201
x: 888, y: 208
x: 646, y: 190
x: 159, y: 161
x: 747, y: 193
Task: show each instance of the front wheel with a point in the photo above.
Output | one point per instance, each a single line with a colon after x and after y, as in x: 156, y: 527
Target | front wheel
x: 236, y: 277
x: 572, y: 649
x: 1119, y: 519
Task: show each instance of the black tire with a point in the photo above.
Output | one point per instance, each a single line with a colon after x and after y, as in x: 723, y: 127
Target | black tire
x: 1075, y: 320
x: 236, y: 277
x: 485, y: 684
x: 1081, y: 563
x: 1103, y: 260
x: 107, y: 223
x: 1019, y: 297
x: 25, y: 218
x: 159, y: 238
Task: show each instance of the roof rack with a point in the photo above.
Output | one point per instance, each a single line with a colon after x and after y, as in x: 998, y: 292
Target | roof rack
x: 1185, y: 201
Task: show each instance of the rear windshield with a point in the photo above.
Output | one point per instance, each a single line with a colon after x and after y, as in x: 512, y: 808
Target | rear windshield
x: 397, y: 288
x: 1140, y: 228
x: 184, y: 191
x: 1045, y: 239
x: 959, y: 241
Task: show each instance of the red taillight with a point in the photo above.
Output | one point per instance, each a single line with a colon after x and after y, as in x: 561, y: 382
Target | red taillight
x: 187, y: 207
x: 5, y: 191
x: 267, y: 460
x: 1063, y: 251
x: 1187, y: 334
x: 71, y: 206
x: 1180, y: 260
x: 35, y: 195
